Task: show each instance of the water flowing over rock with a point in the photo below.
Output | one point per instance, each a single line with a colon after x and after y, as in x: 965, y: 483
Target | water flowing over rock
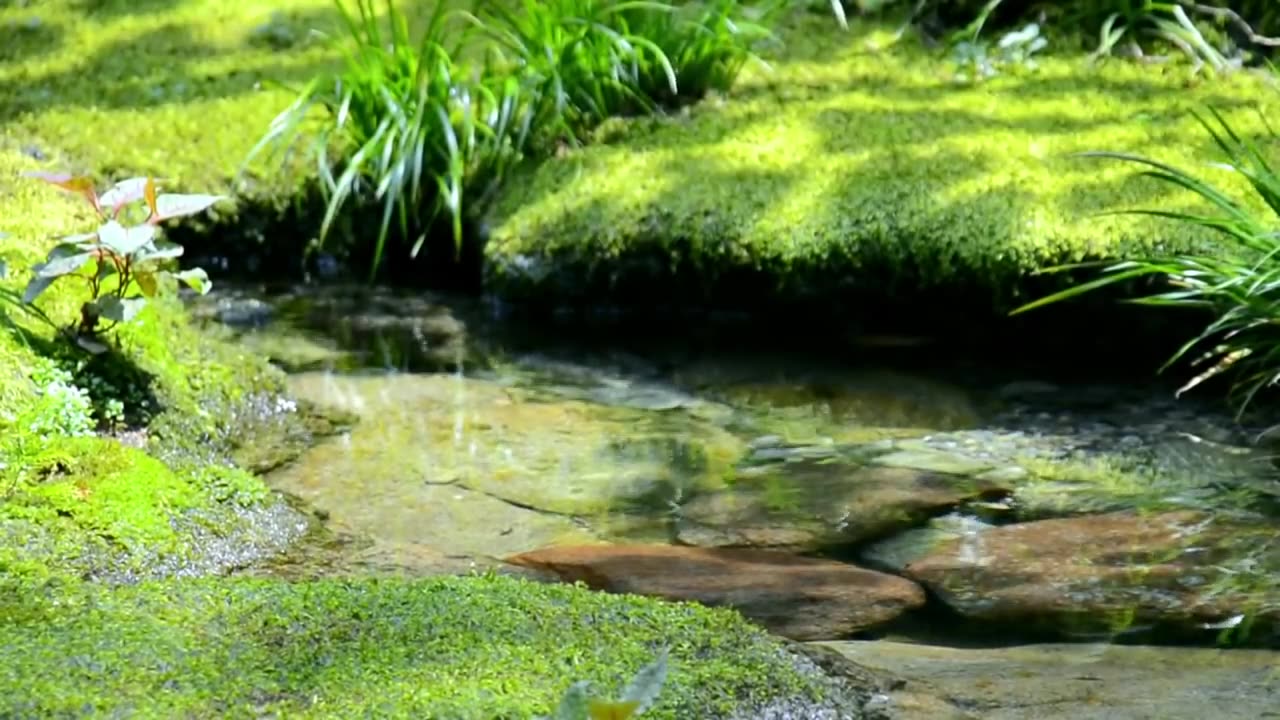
x: 1073, y: 681
x: 473, y: 468
x: 1120, y: 572
x: 816, y: 503
x: 895, y: 553
x: 796, y: 597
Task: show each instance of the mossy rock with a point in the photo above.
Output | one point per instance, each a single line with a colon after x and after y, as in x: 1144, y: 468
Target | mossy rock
x: 459, y: 647
x: 851, y: 174
x: 93, y: 508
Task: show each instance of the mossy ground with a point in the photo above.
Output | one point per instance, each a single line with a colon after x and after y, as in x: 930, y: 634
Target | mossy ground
x: 858, y: 168
x: 481, y: 647
x: 116, y: 89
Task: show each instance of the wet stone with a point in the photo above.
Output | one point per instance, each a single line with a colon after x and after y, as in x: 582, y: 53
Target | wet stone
x: 1072, y: 681
x: 1185, y: 573
x: 1005, y: 475
x: 815, y: 503
x: 796, y: 597
x: 933, y: 461
x: 895, y: 553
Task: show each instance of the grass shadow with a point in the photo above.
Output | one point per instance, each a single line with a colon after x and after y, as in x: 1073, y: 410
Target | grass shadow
x: 30, y: 37
x: 116, y: 8
x: 171, y: 72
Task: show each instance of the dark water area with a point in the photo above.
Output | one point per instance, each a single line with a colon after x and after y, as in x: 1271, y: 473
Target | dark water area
x: 404, y: 329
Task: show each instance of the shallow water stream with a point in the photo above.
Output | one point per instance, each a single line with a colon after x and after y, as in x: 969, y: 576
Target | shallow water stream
x: 475, y: 440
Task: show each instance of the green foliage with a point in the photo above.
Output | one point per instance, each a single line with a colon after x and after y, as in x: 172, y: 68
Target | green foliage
x: 12, y: 300
x: 61, y: 409
x: 588, y: 60
x: 1240, y: 284
x: 123, y: 263
x: 977, y: 61
x: 418, y: 132
x: 228, y: 484
x: 1219, y: 34
x: 429, y: 125
x: 477, y: 647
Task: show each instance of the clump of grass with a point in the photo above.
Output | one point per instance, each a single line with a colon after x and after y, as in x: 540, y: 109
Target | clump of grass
x: 1240, y: 285
x: 593, y: 59
x: 413, y: 130
x: 1218, y: 34
x: 429, y: 125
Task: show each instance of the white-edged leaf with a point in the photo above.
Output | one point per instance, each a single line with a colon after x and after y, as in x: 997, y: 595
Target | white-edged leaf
x: 172, y: 206
x: 62, y: 265
x: 123, y: 193
x: 573, y: 706
x: 125, y: 241
x: 160, y: 250
x: 79, y: 240
x: 118, y: 309
x: 647, y: 683
x: 35, y: 287
x: 196, y: 279
x: 93, y: 346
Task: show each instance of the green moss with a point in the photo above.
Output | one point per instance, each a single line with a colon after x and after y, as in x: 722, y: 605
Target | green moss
x: 100, y: 487
x: 180, y: 89
x: 92, y: 507
x: 114, y: 89
x: 854, y: 167
x: 476, y: 647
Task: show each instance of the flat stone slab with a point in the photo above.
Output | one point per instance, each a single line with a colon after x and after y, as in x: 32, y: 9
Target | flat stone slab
x: 1075, y: 681
x: 796, y: 597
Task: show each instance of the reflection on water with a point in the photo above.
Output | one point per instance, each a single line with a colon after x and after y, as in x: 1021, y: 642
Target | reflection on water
x: 1011, y: 495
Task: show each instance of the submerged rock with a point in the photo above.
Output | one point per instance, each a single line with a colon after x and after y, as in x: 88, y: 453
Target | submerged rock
x: 897, y: 552
x: 793, y: 596
x: 1075, y: 681
x: 1184, y: 572
x: 934, y: 461
x: 470, y: 467
x: 870, y: 398
x: 814, y: 503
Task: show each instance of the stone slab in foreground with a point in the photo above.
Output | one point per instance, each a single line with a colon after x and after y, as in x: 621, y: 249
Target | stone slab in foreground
x: 1075, y: 681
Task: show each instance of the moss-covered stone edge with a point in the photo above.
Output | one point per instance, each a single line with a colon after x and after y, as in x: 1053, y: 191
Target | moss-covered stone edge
x: 483, y: 646
x: 861, y: 175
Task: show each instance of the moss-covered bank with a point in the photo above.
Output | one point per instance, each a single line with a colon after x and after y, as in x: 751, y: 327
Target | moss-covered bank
x: 133, y: 463
x: 483, y: 647
x: 857, y: 171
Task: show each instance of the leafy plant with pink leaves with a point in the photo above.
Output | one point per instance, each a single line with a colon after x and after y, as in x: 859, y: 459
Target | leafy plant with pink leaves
x: 122, y: 263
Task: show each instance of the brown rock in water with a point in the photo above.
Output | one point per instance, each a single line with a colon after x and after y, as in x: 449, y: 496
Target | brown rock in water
x: 796, y: 597
x: 1111, y: 572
